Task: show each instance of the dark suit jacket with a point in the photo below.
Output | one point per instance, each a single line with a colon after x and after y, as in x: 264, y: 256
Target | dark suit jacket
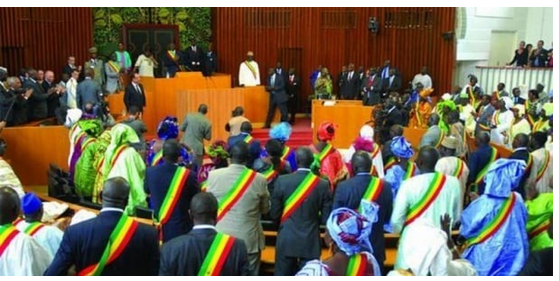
x: 254, y: 148
x: 133, y: 98
x: 521, y: 154
x: 278, y: 95
x: 394, y: 117
x: 171, y: 65
x: 209, y: 64
x: 190, y: 56
x: 83, y: 245
x: 157, y: 182
x: 372, y: 89
x: 396, y: 85
x: 52, y: 102
x: 350, y: 88
x: 520, y: 59
x: 88, y: 90
x: 18, y: 113
x: 478, y: 159
x: 68, y: 69
x: 539, y: 60
x: 518, y: 100
x: 485, y: 117
x: 185, y: 254
x: 38, y: 108
x: 294, y: 86
x: 299, y: 235
x: 349, y: 194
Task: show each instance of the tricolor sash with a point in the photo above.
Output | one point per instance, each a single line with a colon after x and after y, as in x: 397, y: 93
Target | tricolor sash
x: 87, y: 142
x: 542, y: 169
x: 410, y: 171
x: 425, y: 202
x: 471, y: 95
x: 376, y: 150
x: 234, y: 195
x: 538, y: 125
x: 204, y: 186
x: 286, y: 152
x: 325, y: 151
x: 440, y: 140
x: 529, y: 163
x: 217, y: 255
x: 119, y: 239
x: 157, y: 158
x: 270, y: 174
x: 492, y: 158
x: 373, y: 191
x: 357, y: 265
x: 495, y: 224
x: 251, y: 68
x: 496, y: 118
x: 117, y: 153
x: 114, y: 66
x: 248, y: 139
x: 459, y: 169
x: 541, y: 228
x: 17, y: 221
x: 389, y: 164
x: 173, y: 195
x: 299, y: 195
x: 528, y: 115
x: 7, y: 234
x: 33, y: 228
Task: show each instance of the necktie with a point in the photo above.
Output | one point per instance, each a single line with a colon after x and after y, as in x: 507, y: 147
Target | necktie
x: 194, y: 48
x: 350, y: 75
x: 137, y: 88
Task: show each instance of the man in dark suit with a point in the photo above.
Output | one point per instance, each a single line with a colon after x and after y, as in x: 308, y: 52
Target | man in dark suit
x: 83, y: 244
x: 193, y: 56
x: 18, y: 114
x: 278, y: 97
x: 479, y: 159
x: 350, y: 192
x: 158, y: 182
x: 539, y: 56
x: 342, y: 77
x: 516, y: 99
x: 485, y: 113
x: 293, y: 87
x: 88, y: 91
x: 38, y: 108
x: 210, y: 61
x: 372, y: 86
x: 134, y: 94
x: 395, y: 131
x: 385, y: 71
x: 520, y: 152
x: 393, y: 83
x: 254, y: 146
x: 171, y: 61
x: 186, y: 254
x: 54, y: 92
x: 350, y: 87
x: 70, y: 66
x: 298, y: 238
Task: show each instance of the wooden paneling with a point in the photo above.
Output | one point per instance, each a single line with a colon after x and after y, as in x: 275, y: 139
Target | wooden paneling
x: 43, y: 38
x: 337, y: 36
x: 256, y: 105
x: 31, y: 150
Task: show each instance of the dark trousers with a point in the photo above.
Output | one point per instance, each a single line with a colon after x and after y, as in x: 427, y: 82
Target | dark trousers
x: 272, y: 109
x: 293, y: 106
x: 288, y: 266
x: 371, y: 98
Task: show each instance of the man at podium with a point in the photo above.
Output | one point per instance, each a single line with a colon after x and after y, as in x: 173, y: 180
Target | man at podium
x: 249, y: 74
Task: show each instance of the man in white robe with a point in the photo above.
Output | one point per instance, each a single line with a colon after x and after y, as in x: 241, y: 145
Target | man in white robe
x: 249, y: 74
x: 501, y: 121
x: 541, y: 172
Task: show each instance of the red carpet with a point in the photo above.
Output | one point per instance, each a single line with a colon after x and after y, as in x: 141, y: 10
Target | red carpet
x: 300, y: 135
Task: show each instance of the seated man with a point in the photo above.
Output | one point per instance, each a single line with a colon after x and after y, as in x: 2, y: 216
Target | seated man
x: 7, y: 175
x: 191, y: 254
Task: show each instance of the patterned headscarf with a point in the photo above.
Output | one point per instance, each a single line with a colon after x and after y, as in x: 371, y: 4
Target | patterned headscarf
x: 326, y: 131
x: 401, y: 148
x: 502, y: 176
x: 168, y: 128
x: 351, y: 230
x: 281, y: 132
x: 120, y: 134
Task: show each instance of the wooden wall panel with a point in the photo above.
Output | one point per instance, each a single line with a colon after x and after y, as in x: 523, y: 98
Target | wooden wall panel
x: 43, y: 38
x: 337, y: 36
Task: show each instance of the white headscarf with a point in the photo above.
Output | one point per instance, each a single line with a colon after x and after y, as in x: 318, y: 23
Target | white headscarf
x: 508, y: 102
x: 367, y: 132
x: 72, y: 116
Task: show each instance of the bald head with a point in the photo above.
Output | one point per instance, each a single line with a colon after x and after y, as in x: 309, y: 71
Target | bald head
x: 171, y: 150
x: 115, y: 193
x: 520, y: 140
x: 203, y: 208
x: 433, y: 119
x: 483, y: 137
x: 9, y: 205
x: 246, y: 127
x: 239, y: 153
x: 427, y: 159
x: 304, y: 157
x: 361, y: 162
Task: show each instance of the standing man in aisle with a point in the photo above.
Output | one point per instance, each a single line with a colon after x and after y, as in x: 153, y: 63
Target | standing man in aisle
x: 278, y: 97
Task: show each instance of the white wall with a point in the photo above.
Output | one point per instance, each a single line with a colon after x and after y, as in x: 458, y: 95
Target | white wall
x: 474, y: 49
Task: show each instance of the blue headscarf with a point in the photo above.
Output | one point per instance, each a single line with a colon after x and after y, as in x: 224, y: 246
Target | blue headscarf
x: 502, y: 176
x: 168, y: 128
x: 281, y: 132
x: 401, y: 148
x: 351, y: 230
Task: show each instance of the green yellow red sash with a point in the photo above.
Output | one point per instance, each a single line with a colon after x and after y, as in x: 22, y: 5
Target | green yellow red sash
x: 33, y: 228
x: 239, y: 188
x: 492, y: 158
x: 87, y: 142
x: 440, y: 140
x: 528, y: 115
x: 286, y: 151
x: 299, y: 195
x: 158, y: 157
x: 376, y: 150
x: 117, y: 153
x: 430, y: 195
x: 325, y: 151
x: 410, y: 171
x: 204, y: 186
x: 541, y: 228
x: 542, y: 169
x: 251, y: 68
x: 217, y: 255
x: 495, y: 224
x: 389, y: 164
x: 248, y: 139
x: 529, y: 163
x: 7, y: 234
x: 114, y: 66
x: 173, y: 195
x: 459, y: 168
x: 471, y: 95
x: 373, y: 191
x: 270, y: 174
x: 17, y: 221
x: 119, y: 239
x: 357, y: 265
x: 538, y: 125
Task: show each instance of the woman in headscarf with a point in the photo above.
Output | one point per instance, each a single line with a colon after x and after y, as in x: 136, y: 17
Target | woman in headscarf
x: 540, y: 210
x: 519, y: 123
x: 494, y: 225
x: 323, y: 85
x: 444, y: 106
x: 421, y: 110
x: 433, y: 255
x: 85, y: 169
x: 101, y: 145
x: 83, y: 133
x: 215, y: 157
x: 282, y: 132
x: 404, y: 168
x: 347, y: 235
x: 167, y: 129
x: 330, y: 159
x: 270, y: 164
x: 122, y: 160
x: 366, y: 142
